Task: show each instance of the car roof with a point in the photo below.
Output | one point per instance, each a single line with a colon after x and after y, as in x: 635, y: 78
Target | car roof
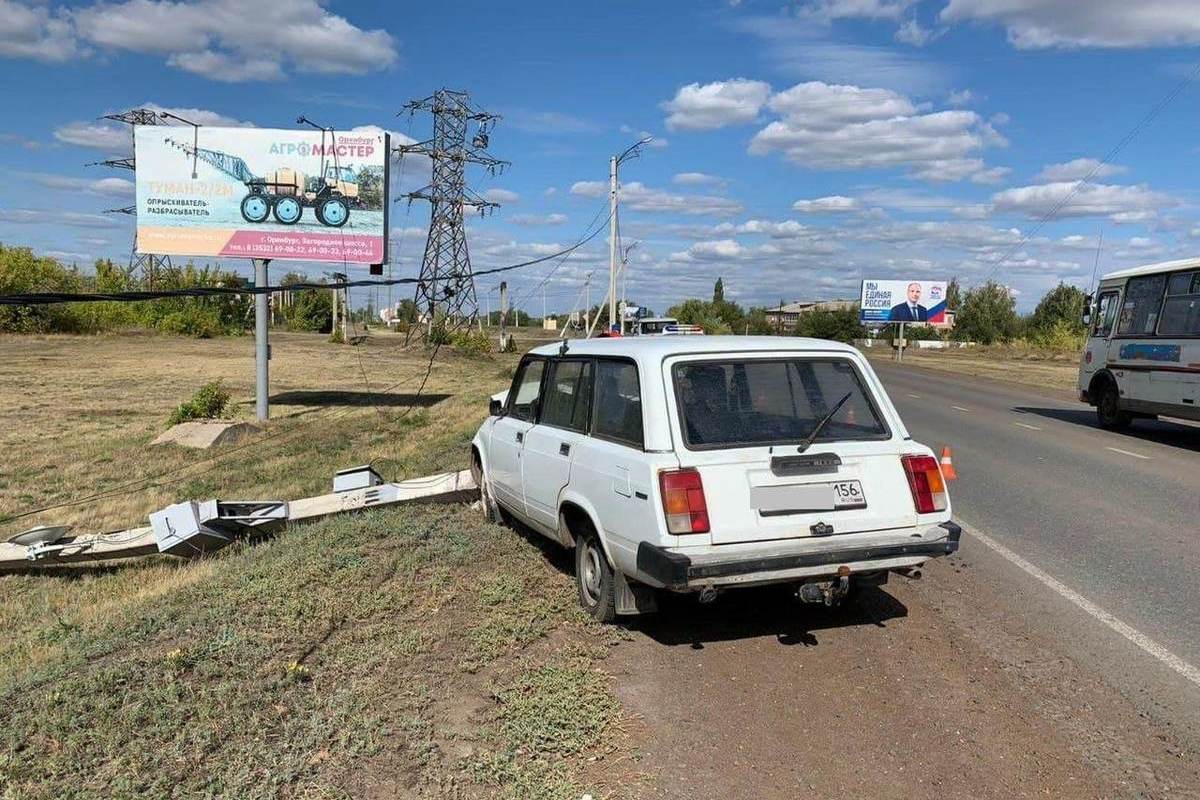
x: 659, y: 347
x: 1150, y: 269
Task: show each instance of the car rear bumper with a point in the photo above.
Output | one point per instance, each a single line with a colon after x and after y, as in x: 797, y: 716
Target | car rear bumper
x: 801, y: 558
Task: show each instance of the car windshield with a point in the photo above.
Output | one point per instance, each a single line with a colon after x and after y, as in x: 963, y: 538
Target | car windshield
x: 740, y: 403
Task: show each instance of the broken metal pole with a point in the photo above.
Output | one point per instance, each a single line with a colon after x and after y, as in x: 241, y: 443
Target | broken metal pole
x: 192, y: 528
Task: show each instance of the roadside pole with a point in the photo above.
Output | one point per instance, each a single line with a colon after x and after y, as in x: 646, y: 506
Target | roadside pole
x: 900, y: 343
x: 503, y: 313
x: 262, y: 348
x: 612, y: 243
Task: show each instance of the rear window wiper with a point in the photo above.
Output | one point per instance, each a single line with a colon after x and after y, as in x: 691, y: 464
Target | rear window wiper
x: 812, y: 437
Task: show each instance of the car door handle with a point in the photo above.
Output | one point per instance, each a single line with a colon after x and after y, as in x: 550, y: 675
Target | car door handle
x: 520, y: 437
x: 564, y: 449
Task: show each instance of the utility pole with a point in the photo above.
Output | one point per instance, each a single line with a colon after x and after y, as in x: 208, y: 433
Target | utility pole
x: 631, y: 152
x: 446, y: 283
x: 587, y: 304
x: 503, y: 313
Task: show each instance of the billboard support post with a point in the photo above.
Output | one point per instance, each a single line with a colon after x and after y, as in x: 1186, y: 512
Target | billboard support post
x: 900, y: 343
x: 262, y: 348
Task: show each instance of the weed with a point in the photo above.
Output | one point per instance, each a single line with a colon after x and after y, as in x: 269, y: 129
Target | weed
x: 209, y: 402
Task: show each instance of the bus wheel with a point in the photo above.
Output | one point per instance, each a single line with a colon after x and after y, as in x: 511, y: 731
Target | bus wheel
x: 1108, y: 409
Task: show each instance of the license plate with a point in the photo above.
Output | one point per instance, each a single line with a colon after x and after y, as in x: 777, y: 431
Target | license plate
x: 848, y: 494
x: 808, y: 498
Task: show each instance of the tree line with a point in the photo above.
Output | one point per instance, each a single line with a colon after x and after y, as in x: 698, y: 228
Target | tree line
x: 986, y: 314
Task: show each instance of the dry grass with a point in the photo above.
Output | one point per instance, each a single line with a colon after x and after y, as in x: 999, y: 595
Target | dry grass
x: 1030, y: 366
x: 77, y: 415
x: 415, y: 652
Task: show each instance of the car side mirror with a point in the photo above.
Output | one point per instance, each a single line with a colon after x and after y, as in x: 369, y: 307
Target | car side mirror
x: 495, y: 408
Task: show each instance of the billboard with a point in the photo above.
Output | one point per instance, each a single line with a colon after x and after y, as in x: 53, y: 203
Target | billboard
x: 262, y: 193
x: 903, y: 301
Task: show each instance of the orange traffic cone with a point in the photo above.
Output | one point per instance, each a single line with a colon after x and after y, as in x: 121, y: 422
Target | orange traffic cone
x: 948, y: 466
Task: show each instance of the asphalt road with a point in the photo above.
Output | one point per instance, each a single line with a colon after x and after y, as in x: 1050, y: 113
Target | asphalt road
x: 1113, y: 517
x: 1055, y: 655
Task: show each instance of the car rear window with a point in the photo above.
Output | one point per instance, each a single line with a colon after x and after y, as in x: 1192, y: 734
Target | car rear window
x: 747, y: 402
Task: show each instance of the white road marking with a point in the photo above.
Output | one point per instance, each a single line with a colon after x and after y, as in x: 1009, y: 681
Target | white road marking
x: 1127, y: 453
x: 1031, y: 427
x: 960, y: 408
x: 1144, y: 642
x: 917, y: 396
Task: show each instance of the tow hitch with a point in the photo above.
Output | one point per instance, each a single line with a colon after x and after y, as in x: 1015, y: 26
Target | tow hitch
x: 829, y: 593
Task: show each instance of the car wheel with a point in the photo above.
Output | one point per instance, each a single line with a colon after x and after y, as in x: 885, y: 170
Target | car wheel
x: 594, y: 578
x: 1108, y: 409
x: 486, y: 501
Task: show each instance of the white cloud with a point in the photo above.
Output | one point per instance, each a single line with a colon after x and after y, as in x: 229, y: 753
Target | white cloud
x: 111, y: 187
x: 640, y: 197
x: 70, y: 219
x: 501, y: 196
x: 1091, y: 199
x: 960, y: 98
x: 538, y: 219
x: 833, y: 204
x: 33, y: 31
x: 116, y: 138
x: 548, y: 122
x: 227, y: 68
x: 223, y: 40
x: 715, y: 105
x: 1077, y: 170
x: 842, y: 9
x: 716, y: 249
x: 99, y: 135
x: 697, y: 179
x: 913, y: 32
x: 826, y: 126
x: 796, y: 47
x: 1095, y: 23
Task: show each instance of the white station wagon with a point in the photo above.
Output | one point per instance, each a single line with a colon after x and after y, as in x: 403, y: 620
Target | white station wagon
x: 700, y: 463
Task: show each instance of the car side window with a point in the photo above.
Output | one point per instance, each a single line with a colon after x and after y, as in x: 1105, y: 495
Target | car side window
x: 568, y: 395
x: 526, y: 391
x: 1106, y: 313
x: 617, y: 412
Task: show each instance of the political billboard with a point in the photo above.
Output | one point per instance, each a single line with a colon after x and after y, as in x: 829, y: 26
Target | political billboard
x: 306, y: 195
x: 902, y: 301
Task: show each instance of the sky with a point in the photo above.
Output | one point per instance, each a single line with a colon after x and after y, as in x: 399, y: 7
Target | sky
x: 797, y: 147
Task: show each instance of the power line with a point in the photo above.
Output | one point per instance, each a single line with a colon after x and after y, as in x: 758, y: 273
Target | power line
x: 1150, y: 116
x: 51, y: 298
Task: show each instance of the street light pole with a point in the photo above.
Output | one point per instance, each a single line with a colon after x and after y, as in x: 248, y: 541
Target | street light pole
x: 615, y: 162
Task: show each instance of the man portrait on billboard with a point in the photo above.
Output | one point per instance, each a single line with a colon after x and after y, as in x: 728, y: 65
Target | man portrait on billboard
x: 911, y: 310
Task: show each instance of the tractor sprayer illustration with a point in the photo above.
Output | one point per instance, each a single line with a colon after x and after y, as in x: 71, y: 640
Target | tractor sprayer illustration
x: 286, y: 192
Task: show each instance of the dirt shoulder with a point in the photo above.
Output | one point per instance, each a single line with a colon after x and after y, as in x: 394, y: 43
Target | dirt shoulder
x: 898, y: 695
x: 1029, y: 367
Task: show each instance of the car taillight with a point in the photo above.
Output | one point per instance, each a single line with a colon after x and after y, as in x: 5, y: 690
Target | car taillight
x: 925, y: 481
x: 683, y: 501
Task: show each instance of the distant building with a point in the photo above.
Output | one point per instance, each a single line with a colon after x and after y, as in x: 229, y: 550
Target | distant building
x: 785, y: 317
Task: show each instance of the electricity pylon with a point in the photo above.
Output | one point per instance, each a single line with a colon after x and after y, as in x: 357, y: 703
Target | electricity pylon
x: 446, y: 286
x: 148, y: 264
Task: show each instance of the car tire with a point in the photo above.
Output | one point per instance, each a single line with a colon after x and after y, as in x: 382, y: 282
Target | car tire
x: 486, y: 500
x: 594, y: 577
x: 1108, y: 409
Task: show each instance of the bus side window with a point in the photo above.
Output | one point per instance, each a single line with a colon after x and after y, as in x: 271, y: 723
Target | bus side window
x: 1106, y: 313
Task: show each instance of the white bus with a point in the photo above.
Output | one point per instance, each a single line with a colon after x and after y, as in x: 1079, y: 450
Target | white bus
x: 1142, y: 356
